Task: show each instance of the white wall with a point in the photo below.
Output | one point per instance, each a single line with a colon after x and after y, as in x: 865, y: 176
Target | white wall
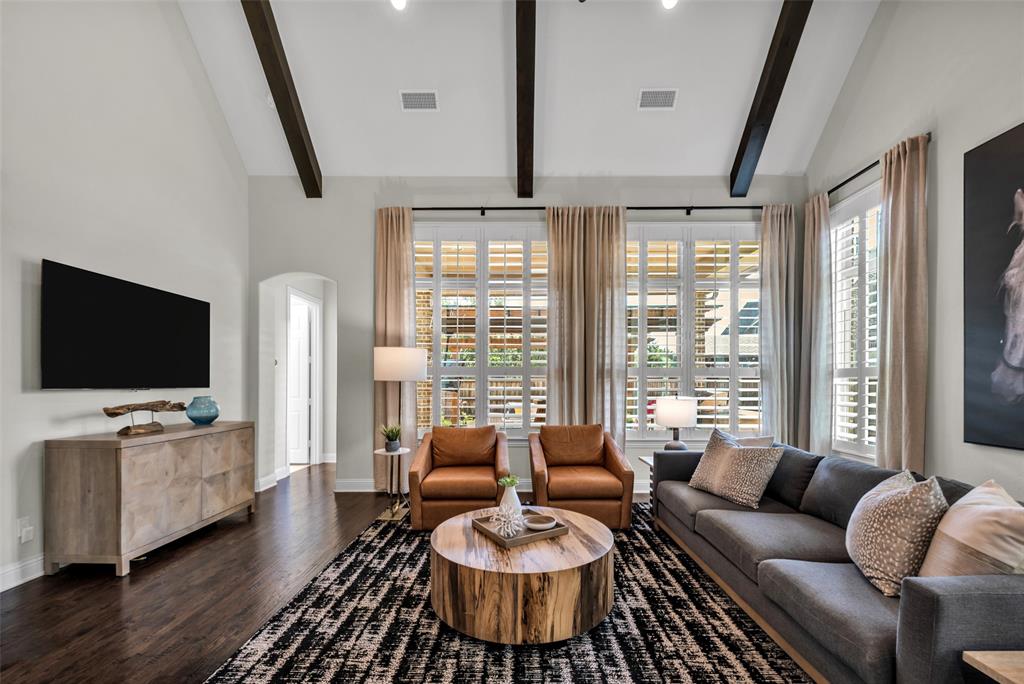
x: 116, y: 158
x: 955, y: 69
x: 334, y: 237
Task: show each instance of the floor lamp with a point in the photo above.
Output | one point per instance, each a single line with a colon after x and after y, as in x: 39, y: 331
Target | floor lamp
x: 398, y: 364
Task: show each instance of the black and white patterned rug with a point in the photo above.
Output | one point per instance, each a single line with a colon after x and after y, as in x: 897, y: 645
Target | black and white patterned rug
x: 367, y: 618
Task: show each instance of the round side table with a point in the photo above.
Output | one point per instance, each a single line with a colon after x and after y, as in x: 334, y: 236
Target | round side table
x: 399, y: 501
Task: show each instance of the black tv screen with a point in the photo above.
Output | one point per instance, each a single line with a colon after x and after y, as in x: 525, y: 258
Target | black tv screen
x: 100, y: 332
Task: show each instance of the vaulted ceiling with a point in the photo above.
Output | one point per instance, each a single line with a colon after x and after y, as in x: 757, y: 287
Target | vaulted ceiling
x: 351, y: 58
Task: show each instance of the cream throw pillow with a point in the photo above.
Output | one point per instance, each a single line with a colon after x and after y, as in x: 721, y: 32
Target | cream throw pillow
x: 737, y: 469
x: 891, y: 527
x: 981, y: 534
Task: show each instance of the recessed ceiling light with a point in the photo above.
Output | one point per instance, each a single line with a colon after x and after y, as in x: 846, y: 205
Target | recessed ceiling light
x: 400, y: 4
x: 667, y: 4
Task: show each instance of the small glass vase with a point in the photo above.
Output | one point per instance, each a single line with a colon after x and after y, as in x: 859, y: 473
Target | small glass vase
x: 510, y: 500
x: 202, y: 410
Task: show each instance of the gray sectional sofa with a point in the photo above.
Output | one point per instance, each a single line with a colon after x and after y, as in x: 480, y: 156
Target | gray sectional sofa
x: 787, y: 560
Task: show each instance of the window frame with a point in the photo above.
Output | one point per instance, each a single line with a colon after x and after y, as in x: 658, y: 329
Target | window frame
x: 857, y: 205
x: 481, y: 233
x: 687, y: 234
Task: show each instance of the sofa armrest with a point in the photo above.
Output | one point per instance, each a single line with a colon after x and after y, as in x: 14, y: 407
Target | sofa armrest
x: 501, y: 468
x: 672, y: 465
x: 941, y: 617
x: 538, y: 471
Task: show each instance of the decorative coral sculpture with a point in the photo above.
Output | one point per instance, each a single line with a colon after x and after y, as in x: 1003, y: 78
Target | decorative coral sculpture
x: 508, y: 522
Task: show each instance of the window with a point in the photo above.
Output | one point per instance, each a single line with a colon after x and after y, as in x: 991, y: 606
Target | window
x: 693, y: 315
x: 854, y: 237
x: 481, y: 314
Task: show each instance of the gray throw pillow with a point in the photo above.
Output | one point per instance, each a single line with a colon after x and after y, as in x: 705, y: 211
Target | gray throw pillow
x: 734, y: 471
x: 891, y: 528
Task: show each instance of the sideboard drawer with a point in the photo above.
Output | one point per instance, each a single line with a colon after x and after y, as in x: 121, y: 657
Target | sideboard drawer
x: 228, y: 474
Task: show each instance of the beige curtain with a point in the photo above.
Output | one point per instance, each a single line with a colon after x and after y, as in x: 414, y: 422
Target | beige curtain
x: 393, y: 402
x: 903, y: 306
x: 587, y: 317
x: 814, y: 422
x: 780, y: 322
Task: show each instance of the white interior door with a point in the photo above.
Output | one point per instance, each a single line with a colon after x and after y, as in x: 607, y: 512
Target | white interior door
x: 300, y: 380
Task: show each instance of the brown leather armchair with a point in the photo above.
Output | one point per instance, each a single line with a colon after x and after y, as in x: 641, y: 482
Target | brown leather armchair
x: 581, y: 468
x: 456, y: 470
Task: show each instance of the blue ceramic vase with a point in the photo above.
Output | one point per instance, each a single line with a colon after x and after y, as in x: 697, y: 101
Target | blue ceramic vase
x: 203, y: 410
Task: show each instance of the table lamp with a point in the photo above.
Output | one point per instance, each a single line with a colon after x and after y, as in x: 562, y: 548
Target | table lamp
x: 675, y: 413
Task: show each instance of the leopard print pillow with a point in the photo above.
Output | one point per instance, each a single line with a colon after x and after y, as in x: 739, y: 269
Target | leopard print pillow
x: 736, y: 472
x: 891, y: 528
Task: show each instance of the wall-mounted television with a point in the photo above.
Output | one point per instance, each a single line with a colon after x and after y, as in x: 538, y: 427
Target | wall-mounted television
x: 100, y: 332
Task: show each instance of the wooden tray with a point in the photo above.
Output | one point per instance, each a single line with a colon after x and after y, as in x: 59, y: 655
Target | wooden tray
x: 487, y: 528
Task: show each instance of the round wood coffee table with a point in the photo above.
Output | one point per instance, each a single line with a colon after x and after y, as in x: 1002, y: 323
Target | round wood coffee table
x: 545, y: 591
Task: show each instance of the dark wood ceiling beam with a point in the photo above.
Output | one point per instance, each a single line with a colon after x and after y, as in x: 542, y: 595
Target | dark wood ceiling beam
x: 769, y: 91
x: 526, y: 55
x: 263, y: 27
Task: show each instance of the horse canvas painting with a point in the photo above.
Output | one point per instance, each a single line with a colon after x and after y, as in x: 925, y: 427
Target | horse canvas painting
x: 994, y: 291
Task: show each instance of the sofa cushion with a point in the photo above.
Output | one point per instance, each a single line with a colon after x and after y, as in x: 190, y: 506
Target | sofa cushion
x: 464, y: 446
x: 748, y: 537
x: 792, y: 475
x: 834, y: 603
x: 572, y: 444
x: 685, y: 502
x: 583, y: 482
x: 953, y: 490
x: 837, y: 486
x: 460, y: 482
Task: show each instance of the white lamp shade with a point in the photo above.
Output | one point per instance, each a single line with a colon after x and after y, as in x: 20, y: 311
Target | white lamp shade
x: 676, y: 412
x: 399, y: 364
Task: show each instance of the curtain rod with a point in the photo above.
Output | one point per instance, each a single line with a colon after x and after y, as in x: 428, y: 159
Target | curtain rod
x: 860, y: 173
x: 688, y: 209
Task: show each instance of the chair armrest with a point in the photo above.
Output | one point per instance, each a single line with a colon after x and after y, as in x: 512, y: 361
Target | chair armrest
x: 501, y: 456
x: 538, y: 471
x: 616, y: 462
x: 421, y: 465
x: 941, y: 617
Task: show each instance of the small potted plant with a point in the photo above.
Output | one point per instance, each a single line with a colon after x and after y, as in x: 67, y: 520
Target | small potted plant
x: 392, y: 436
x: 510, y: 499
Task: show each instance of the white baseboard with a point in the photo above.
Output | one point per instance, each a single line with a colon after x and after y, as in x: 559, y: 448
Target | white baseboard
x: 266, y: 482
x: 354, y: 486
x: 20, y: 572
x: 328, y: 458
x: 282, y: 473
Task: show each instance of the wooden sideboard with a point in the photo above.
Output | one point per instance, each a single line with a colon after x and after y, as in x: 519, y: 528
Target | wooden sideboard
x: 109, y: 499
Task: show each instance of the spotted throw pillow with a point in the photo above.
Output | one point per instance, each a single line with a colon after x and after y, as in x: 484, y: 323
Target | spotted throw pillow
x: 736, y: 470
x: 891, y: 528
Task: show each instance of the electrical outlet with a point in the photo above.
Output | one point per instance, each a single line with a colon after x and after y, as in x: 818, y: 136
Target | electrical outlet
x: 26, y: 532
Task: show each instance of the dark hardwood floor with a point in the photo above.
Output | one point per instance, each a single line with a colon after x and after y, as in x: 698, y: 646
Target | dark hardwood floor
x: 188, y: 606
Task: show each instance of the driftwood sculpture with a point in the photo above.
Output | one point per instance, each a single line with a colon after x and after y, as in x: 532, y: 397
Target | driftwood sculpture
x: 151, y: 406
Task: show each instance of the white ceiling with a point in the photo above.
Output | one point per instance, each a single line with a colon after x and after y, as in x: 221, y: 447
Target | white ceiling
x: 350, y: 59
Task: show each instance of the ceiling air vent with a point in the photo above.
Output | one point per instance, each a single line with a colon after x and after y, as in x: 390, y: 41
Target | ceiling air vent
x: 419, y: 100
x: 657, y: 99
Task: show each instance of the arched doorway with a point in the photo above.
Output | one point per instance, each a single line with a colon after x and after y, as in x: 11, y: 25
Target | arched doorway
x: 298, y: 374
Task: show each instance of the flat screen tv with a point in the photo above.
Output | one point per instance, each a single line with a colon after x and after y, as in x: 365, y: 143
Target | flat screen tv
x: 100, y: 332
